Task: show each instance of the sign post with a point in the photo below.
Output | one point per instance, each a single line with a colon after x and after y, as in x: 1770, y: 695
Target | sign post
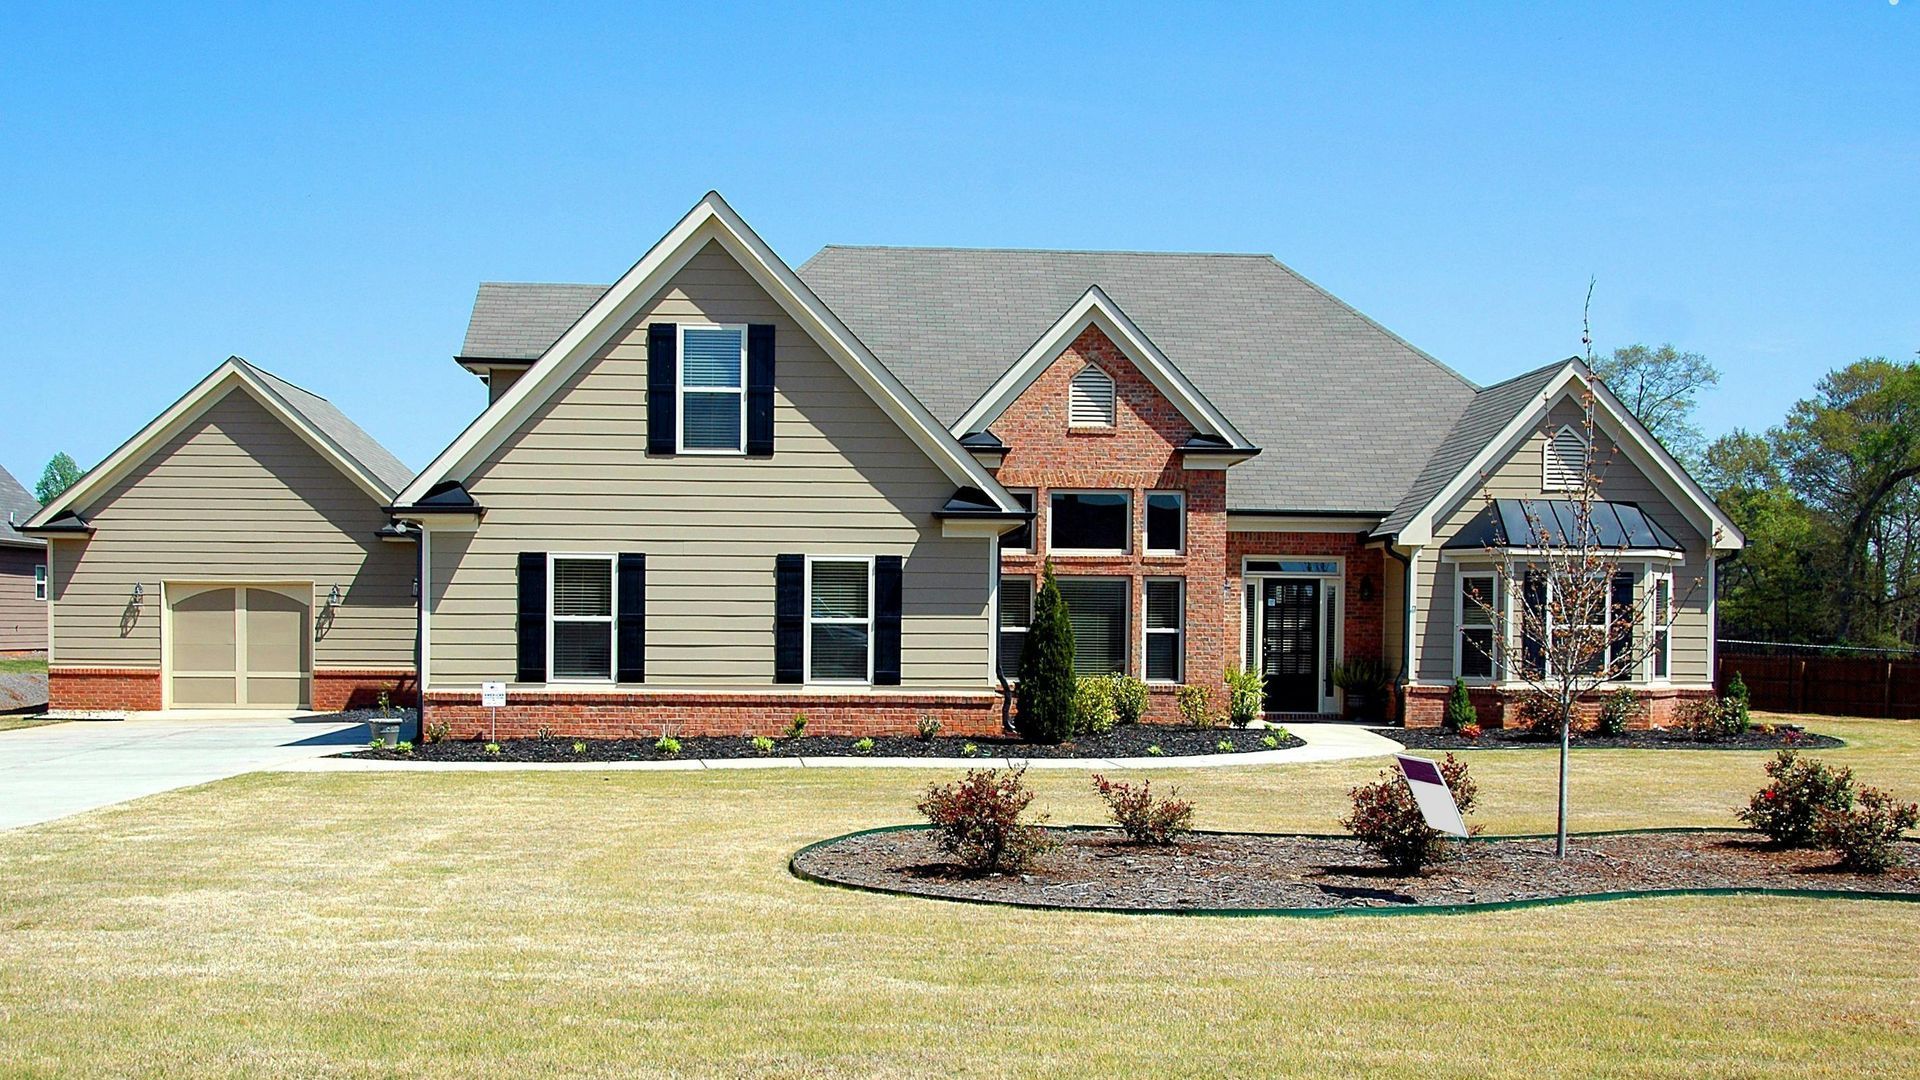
x: 493, y: 697
x: 1432, y: 795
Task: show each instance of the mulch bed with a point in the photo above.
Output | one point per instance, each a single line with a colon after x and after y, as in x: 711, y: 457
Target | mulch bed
x: 1100, y: 869
x: 1783, y: 737
x: 1131, y: 740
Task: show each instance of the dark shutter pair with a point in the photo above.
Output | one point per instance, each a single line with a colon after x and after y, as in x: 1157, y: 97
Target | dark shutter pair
x: 790, y: 619
x: 629, y: 618
x: 663, y: 397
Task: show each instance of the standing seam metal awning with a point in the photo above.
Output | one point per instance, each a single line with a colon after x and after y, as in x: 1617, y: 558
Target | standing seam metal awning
x: 1521, y: 523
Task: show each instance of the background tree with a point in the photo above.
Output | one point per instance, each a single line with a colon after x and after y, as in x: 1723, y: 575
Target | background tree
x: 60, y: 474
x: 1660, y: 386
x: 1047, y: 680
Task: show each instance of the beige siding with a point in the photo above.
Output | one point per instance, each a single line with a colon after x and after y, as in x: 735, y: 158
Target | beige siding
x: 843, y: 480
x: 23, y: 620
x: 234, y: 496
x: 501, y: 380
x: 1621, y: 481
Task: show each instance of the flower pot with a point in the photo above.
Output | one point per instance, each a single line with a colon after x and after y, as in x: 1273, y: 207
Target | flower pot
x: 386, y: 731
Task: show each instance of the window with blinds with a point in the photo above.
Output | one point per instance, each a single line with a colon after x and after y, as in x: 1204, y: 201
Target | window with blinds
x: 1165, y: 629
x: 1097, y: 608
x: 1565, y: 462
x: 839, y: 620
x: 1661, y: 610
x: 580, y: 609
x: 1090, y: 398
x: 1016, y: 615
x: 713, y: 396
x: 1475, y: 616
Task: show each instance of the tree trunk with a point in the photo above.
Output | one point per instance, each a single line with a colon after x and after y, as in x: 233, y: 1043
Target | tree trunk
x: 1560, y: 836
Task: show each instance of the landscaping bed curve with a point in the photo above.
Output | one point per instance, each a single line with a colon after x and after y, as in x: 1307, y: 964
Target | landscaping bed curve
x: 1780, y: 738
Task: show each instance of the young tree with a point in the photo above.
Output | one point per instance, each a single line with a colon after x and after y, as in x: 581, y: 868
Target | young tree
x: 1659, y: 387
x: 1047, y: 681
x: 60, y: 474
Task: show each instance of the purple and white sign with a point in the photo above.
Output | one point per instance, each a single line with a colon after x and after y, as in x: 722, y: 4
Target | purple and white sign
x: 1432, y: 795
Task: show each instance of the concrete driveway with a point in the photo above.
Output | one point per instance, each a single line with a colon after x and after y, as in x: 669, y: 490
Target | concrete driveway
x: 61, y: 769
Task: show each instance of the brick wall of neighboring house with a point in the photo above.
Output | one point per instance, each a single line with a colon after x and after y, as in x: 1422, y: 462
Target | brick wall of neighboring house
x: 1427, y: 705
x: 89, y: 689
x: 1137, y: 454
x: 1364, y: 596
x: 691, y: 712
x: 336, y: 689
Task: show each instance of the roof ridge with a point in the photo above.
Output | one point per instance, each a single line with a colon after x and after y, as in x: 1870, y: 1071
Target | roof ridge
x: 556, y: 284
x: 1043, y: 251
x: 281, y: 379
x: 1371, y: 321
x: 1555, y: 366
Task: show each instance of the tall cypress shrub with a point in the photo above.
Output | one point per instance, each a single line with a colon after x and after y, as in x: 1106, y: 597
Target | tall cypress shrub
x: 1046, y: 669
x: 1460, y: 710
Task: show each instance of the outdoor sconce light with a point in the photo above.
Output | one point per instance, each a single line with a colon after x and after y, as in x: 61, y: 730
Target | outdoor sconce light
x: 139, y: 594
x: 333, y: 596
x: 416, y: 586
x: 1366, y: 587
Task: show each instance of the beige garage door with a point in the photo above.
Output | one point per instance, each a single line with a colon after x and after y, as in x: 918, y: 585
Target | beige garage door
x: 239, y: 646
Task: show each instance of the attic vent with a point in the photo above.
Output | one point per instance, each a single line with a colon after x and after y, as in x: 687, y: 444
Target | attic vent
x: 1090, y: 399
x: 1565, y: 461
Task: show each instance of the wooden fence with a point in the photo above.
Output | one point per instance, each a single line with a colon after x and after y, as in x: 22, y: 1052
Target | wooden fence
x: 1829, y: 685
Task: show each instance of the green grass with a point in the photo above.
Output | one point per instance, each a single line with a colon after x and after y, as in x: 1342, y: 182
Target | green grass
x: 22, y: 666
x: 535, y: 924
x: 15, y: 723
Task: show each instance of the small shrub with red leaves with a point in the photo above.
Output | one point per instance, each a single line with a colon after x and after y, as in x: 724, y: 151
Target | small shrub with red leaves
x: 977, y: 820
x: 1387, y: 820
x: 1144, y: 817
x: 1787, y: 810
x: 1867, y: 837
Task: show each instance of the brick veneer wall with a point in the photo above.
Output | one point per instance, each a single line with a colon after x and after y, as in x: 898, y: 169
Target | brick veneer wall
x: 335, y: 689
x: 645, y: 714
x: 1427, y: 705
x: 1364, y: 635
x: 1138, y: 455
x: 88, y: 689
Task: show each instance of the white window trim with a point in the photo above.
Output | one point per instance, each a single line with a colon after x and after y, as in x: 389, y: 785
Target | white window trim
x: 613, y: 611
x: 1460, y: 627
x: 999, y: 628
x: 1126, y: 610
x: 1113, y: 399
x: 1606, y: 626
x: 1033, y: 526
x: 1333, y: 583
x: 1659, y: 626
x: 810, y: 621
x: 1546, y: 459
x: 680, y: 390
x: 40, y: 582
x: 1093, y: 553
x: 1146, y: 534
x: 1178, y: 633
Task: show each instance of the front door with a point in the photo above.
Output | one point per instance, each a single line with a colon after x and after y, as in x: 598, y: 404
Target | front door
x: 1290, y: 644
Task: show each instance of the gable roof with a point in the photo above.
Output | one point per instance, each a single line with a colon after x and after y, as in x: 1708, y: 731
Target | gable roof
x: 17, y: 507
x: 513, y: 321
x: 322, y: 426
x: 711, y: 220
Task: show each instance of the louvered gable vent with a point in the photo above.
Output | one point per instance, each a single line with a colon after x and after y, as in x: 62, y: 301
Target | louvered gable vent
x: 1566, y: 461
x: 1090, y: 398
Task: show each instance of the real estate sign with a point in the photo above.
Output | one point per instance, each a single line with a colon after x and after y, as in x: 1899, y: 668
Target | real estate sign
x: 1431, y: 794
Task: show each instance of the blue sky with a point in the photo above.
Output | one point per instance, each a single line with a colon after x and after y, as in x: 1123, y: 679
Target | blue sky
x: 321, y: 191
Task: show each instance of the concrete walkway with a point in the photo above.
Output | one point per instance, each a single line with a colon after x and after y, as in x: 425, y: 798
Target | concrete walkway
x: 60, y: 769
x: 1324, y: 742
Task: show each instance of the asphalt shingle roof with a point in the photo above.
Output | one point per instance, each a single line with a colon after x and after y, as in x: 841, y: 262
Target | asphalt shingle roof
x: 16, y: 506
x: 347, y: 435
x: 513, y: 321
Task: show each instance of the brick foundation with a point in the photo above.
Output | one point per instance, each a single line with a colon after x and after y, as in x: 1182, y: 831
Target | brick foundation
x: 91, y: 689
x: 334, y: 690
x: 1426, y: 706
x: 645, y: 714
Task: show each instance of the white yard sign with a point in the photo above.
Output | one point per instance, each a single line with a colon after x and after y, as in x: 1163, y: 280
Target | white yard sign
x: 1431, y: 793
x: 493, y: 695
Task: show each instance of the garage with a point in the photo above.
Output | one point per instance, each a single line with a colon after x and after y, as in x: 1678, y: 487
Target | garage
x: 238, y: 646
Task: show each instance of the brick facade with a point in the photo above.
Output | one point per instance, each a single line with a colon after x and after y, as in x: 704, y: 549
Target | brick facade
x: 335, y: 689
x: 91, y: 689
x: 1427, y: 705
x: 1363, y: 590
x: 650, y: 714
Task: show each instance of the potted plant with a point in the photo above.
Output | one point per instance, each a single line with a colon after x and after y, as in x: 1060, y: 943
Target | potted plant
x: 1364, y: 685
x: 386, y: 724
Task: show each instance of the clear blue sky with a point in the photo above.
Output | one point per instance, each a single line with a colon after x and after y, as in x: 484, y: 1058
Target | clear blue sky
x: 321, y: 192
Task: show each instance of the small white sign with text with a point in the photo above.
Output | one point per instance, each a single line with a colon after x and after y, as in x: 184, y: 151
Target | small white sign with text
x: 1432, y: 795
x: 493, y: 695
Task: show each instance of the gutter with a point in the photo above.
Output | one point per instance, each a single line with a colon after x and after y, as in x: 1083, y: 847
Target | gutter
x: 1407, y: 596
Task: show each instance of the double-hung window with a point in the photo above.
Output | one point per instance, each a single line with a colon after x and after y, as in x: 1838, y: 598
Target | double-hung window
x: 580, y: 607
x: 1089, y: 522
x: 839, y: 620
x: 1097, y: 609
x: 1166, y: 522
x: 713, y: 399
x: 1016, y: 614
x: 1166, y: 620
x: 1660, y: 610
x: 40, y: 582
x: 1477, y: 614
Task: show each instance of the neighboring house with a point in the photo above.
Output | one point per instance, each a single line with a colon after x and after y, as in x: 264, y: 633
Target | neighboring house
x: 23, y: 573
x: 234, y: 553
x: 722, y: 491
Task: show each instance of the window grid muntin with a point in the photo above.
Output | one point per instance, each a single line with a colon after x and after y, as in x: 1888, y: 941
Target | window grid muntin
x: 733, y: 392
x: 575, y: 620
x: 1163, y: 626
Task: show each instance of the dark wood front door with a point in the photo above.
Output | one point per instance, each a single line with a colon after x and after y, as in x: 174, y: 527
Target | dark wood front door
x: 1290, y: 644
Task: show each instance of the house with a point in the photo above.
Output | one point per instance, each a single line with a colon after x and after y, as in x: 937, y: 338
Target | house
x: 723, y: 491
x: 23, y: 573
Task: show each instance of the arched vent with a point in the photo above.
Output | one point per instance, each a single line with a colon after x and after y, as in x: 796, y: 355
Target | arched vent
x: 1566, y: 461
x: 1090, y: 399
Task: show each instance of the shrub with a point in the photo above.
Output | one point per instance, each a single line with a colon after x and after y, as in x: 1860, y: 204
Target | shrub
x: 1787, y: 810
x: 1711, y: 718
x: 863, y: 746
x: 1154, y: 750
x: 1620, y: 710
x: 1129, y: 698
x: 1224, y: 746
x: 1460, y: 711
x: 1246, y: 693
x: 492, y: 748
x: 403, y: 746
x: 544, y: 733
x: 1738, y: 706
x: 1471, y: 731
x: 969, y: 750
x: 1539, y: 714
x: 438, y: 732
x: 1271, y: 741
x: 1046, y: 697
x: 798, y: 728
x: 668, y: 746
x: 1196, y: 705
x: 579, y: 747
x: 1387, y: 820
x: 927, y: 727
x: 1867, y: 836
x: 977, y: 820
x: 1143, y: 817
x: 1093, y: 711
x: 762, y: 745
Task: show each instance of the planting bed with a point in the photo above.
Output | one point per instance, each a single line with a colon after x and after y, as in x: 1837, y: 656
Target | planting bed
x: 1784, y: 737
x: 1228, y: 872
x: 1132, y: 740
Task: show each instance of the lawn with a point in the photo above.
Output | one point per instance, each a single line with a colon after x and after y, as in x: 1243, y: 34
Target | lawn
x: 15, y: 665
x: 616, y: 923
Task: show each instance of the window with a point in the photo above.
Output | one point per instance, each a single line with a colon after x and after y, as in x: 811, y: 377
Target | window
x: 1166, y: 522
x: 1604, y: 631
x: 1016, y: 614
x: 1090, y: 398
x: 1564, y: 463
x: 1476, y: 614
x: 713, y: 400
x: 1660, y: 609
x: 1020, y: 540
x: 1166, y: 623
x: 1089, y: 522
x: 1097, y: 608
x: 580, y: 607
x: 40, y: 582
x: 840, y: 620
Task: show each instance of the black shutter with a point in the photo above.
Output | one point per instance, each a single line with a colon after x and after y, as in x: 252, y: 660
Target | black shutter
x: 1533, y: 648
x: 886, y: 620
x: 789, y: 618
x: 663, y: 389
x: 1621, y: 632
x: 531, y: 648
x: 631, y: 619
x: 760, y: 390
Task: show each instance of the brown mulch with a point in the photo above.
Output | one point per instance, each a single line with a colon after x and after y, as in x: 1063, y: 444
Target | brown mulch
x: 1101, y: 869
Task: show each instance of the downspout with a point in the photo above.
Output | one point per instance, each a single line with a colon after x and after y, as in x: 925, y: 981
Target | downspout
x: 420, y: 638
x: 1406, y: 641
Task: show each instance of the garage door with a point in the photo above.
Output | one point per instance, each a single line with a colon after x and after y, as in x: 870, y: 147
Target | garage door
x: 239, y: 646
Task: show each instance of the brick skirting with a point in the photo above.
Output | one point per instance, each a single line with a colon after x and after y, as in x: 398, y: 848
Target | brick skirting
x: 91, y: 689
x: 360, y: 688
x: 643, y: 714
x: 1426, y: 706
